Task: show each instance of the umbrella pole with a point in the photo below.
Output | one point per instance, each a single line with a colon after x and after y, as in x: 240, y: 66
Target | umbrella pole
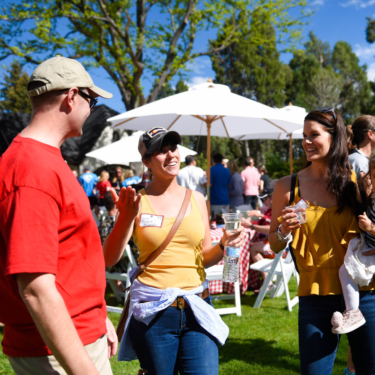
x: 208, y: 122
x: 291, y: 152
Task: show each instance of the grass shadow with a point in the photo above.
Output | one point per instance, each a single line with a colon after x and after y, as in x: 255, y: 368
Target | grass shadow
x: 260, y: 352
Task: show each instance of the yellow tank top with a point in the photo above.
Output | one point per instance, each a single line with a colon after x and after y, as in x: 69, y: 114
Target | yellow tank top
x: 180, y: 265
x: 319, y: 247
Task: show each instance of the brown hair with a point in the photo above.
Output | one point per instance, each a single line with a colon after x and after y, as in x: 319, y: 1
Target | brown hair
x: 232, y: 166
x: 46, y: 100
x: 114, y: 179
x: 357, y: 132
x: 371, y: 163
x: 338, y: 168
x: 262, y: 168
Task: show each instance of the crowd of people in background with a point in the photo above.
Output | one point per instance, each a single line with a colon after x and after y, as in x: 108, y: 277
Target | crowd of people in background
x: 229, y: 187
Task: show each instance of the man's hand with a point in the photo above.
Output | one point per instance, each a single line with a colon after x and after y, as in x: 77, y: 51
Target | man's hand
x: 364, y: 222
x: 111, y: 338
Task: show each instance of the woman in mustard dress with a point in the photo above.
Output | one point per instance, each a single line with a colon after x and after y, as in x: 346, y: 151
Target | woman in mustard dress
x: 328, y: 185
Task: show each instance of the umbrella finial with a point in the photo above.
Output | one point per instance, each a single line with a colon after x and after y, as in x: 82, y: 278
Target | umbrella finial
x: 209, y: 80
x: 290, y: 103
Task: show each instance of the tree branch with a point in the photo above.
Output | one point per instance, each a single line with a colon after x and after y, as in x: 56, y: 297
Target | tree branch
x: 227, y: 42
x: 13, y: 51
x: 171, y: 54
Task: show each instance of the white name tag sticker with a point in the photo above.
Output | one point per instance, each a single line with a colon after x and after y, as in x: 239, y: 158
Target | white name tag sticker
x: 149, y: 220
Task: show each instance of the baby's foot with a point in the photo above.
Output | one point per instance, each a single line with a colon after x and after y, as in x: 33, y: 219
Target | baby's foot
x: 348, y: 322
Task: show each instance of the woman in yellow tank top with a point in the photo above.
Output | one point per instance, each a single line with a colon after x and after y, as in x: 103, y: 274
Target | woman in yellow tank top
x: 183, y: 334
x: 319, y: 245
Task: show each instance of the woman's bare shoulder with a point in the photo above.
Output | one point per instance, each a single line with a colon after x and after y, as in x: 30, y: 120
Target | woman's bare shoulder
x: 284, y: 184
x: 199, y: 197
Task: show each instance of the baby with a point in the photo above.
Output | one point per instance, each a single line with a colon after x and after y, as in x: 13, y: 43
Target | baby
x: 358, y: 269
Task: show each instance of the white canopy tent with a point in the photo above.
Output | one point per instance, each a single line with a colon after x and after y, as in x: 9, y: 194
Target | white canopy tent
x: 295, y: 114
x: 207, y: 110
x: 125, y: 151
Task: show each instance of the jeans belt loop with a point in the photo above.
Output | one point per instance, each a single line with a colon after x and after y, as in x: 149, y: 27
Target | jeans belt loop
x: 180, y: 303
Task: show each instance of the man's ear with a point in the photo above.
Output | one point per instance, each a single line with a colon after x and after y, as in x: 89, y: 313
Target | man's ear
x: 71, y: 97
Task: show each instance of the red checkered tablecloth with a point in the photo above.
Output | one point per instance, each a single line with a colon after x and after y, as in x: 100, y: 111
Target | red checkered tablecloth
x: 246, y: 277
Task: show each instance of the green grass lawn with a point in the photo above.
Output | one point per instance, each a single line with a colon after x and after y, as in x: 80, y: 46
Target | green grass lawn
x: 261, y: 341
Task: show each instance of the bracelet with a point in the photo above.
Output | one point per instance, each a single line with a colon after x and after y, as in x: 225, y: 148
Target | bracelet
x: 221, y: 245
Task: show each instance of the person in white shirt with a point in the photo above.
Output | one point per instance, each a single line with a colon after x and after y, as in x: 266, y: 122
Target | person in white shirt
x: 192, y: 177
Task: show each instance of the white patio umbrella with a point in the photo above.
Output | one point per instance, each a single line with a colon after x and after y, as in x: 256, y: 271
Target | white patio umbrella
x: 125, y: 151
x: 294, y: 113
x: 206, y: 109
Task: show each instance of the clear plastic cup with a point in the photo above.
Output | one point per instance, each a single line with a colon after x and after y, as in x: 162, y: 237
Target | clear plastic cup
x: 232, y: 221
x: 300, y: 211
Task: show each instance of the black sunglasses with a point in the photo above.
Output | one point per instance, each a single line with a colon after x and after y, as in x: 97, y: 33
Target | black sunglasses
x: 93, y: 101
x: 329, y: 110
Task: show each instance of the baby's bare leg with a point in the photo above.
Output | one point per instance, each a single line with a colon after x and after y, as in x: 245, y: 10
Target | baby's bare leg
x: 350, y: 289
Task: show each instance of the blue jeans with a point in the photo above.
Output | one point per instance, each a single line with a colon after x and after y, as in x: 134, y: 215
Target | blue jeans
x: 318, y: 345
x: 252, y: 200
x: 174, y: 342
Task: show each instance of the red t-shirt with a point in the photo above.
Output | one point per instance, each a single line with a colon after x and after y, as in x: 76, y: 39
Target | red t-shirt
x: 102, y: 187
x: 46, y: 226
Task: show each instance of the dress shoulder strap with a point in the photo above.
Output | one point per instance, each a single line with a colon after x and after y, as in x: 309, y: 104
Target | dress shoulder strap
x: 294, y: 188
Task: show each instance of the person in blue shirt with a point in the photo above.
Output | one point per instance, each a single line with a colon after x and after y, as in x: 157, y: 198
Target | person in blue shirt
x: 130, y: 179
x: 88, y: 181
x: 220, y: 180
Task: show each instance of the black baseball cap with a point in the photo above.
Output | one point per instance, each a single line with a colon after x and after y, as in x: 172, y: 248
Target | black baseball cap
x: 151, y: 141
x: 266, y: 192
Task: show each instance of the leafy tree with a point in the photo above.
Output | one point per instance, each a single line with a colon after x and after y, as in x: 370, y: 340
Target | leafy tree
x: 321, y: 50
x: 325, y: 77
x: 129, y: 39
x: 181, y: 86
x: 324, y: 89
x: 370, y: 30
x: 13, y: 95
x: 355, y: 87
x: 251, y: 67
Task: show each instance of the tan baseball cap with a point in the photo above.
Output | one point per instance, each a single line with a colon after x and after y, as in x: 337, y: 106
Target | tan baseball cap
x: 59, y: 73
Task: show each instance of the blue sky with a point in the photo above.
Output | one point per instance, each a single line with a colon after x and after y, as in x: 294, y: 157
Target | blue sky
x: 333, y: 20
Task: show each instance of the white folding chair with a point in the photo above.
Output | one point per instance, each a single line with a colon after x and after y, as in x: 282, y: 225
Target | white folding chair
x: 283, y: 269
x: 113, y: 277
x: 216, y: 273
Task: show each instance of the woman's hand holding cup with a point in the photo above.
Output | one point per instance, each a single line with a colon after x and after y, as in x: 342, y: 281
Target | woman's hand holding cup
x: 233, y: 238
x: 288, y: 221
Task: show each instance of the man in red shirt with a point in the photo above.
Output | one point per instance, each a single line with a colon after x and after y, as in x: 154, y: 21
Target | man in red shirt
x: 52, y: 275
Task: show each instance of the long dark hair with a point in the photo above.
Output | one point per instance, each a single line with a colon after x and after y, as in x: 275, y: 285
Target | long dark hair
x: 356, y: 133
x: 338, y: 168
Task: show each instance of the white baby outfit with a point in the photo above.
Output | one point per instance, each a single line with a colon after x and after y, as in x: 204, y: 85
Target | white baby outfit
x: 361, y: 268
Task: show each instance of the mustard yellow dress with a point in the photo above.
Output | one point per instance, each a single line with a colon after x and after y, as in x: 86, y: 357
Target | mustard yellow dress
x: 319, y: 247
